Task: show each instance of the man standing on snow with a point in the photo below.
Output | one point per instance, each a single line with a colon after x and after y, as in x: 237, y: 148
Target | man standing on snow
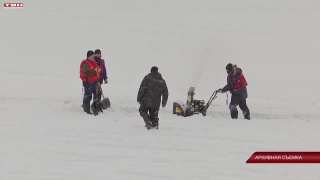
x: 152, y: 87
x: 103, y: 75
x: 89, y: 73
x: 236, y: 84
x: 101, y: 63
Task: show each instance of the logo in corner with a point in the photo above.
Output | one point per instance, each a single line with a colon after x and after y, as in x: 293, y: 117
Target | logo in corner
x: 12, y: 5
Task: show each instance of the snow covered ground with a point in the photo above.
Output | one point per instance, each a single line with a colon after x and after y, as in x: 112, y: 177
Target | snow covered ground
x: 44, y: 133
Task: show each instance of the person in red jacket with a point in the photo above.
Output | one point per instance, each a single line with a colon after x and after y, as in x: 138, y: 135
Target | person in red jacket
x: 89, y: 74
x: 237, y: 85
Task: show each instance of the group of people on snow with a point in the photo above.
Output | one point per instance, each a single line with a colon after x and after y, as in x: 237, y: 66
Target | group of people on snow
x: 153, y: 91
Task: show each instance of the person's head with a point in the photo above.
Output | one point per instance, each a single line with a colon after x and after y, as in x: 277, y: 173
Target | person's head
x: 154, y: 69
x: 90, y: 55
x: 98, y: 53
x: 229, y: 68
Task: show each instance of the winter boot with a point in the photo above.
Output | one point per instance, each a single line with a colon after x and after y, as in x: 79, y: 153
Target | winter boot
x: 94, y: 108
x: 155, y: 123
x: 234, y: 114
x: 149, y: 125
x: 147, y: 120
x: 154, y: 126
x: 86, y: 108
x: 246, y: 114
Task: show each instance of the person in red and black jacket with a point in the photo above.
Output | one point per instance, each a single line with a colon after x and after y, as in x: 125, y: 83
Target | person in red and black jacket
x: 237, y: 85
x: 89, y: 74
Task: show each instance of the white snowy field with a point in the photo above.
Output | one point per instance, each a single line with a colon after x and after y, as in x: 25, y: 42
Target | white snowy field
x: 44, y: 133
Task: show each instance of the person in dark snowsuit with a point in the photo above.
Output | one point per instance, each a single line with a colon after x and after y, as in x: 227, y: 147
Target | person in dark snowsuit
x: 152, y: 87
x: 237, y: 85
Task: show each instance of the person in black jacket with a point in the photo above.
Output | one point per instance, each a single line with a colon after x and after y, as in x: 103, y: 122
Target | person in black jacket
x: 152, y: 87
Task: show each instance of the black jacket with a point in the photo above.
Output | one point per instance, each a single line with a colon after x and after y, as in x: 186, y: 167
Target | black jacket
x: 152, y: 87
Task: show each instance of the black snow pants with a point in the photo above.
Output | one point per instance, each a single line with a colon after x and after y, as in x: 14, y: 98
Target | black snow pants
x: 149, y: 115
x: 236, y: 100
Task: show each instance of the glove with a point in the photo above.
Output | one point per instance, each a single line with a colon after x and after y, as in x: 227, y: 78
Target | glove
x: 220, y: 90
x: 163, y: 105
x: 98, y: 69
x: 106, y: 80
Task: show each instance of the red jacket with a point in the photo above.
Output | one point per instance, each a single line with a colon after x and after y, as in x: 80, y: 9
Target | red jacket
x: 92, y: 66
x: 236, y: 81
x: 239, y: 81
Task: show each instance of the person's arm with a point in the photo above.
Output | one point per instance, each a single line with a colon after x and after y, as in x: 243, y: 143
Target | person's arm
x: 104, y: 72
x: 142, y: 89
x: 87, y: 71
x: 165, y: 94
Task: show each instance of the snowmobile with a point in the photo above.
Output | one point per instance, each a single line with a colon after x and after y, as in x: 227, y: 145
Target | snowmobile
x: 193, y: 106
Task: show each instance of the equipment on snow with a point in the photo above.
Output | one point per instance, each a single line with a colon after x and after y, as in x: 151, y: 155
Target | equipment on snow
x: 99, y: 105
x: 105, y: 102
x: 96, y: 107
x: 193, y: 106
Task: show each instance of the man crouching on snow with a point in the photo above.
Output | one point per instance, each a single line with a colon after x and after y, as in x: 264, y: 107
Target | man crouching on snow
x: 152, y: 87
x: 236, y: 84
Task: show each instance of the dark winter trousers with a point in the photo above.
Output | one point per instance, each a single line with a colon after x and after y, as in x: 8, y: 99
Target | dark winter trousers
x: 149, y: 115
x: 241, y: 101
x: 89, y: 89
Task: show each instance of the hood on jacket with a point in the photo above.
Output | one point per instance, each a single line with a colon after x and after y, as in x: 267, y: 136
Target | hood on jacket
x: 156, y: 75
x: 234, y: 70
